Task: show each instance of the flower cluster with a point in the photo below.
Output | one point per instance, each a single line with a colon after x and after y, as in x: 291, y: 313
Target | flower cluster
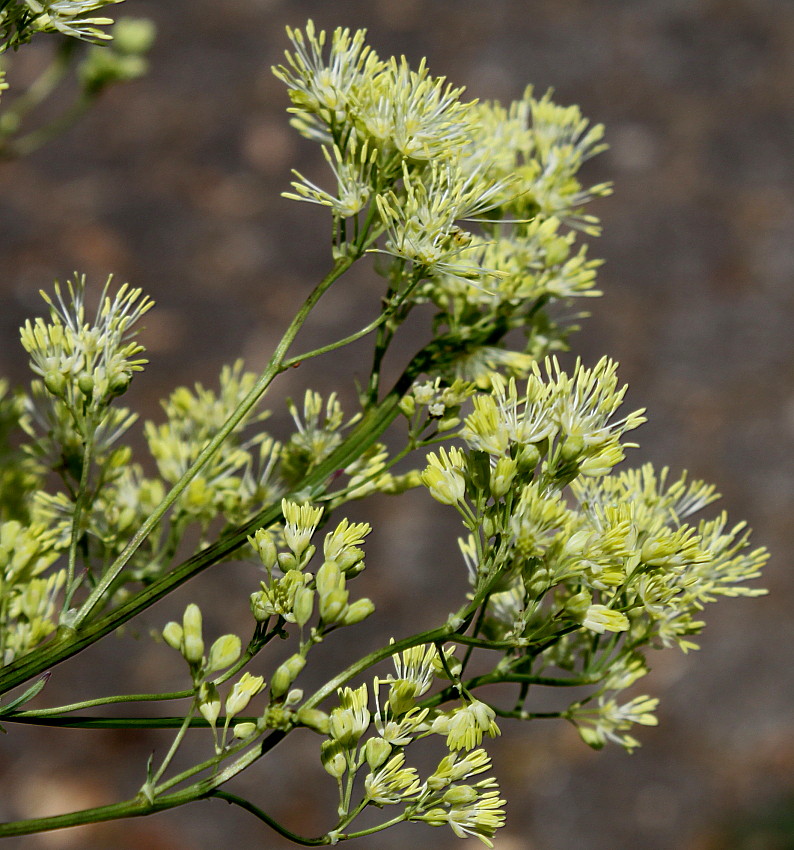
x: 20, y: 19
x: 577, y: 567
x: 376, y: 742
x: 291, y: 591
x: 580, y: 567
x: 479, y: 205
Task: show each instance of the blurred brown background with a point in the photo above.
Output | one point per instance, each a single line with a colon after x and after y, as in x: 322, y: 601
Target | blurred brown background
x: 173, y: 184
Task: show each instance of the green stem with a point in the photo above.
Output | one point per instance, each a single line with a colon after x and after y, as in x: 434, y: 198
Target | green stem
x: 525, y: 715
x: 174, y: 747
x: 351, y: 816
x: 85, y: 722
x: 140, y: 806
x: 263, y: 816
x: 93, y: 703
x: 373, y: 829
x: 128, y: 809
x: 79, y: 506
x: 387, y: 313
x: 244, y: 408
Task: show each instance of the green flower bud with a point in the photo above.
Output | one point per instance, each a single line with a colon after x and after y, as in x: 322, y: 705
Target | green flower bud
x: 85, y: 384
x: 303, y: 605
x: 576, y: 607
x: 286, y: 674
x: 448, y: 423
x: 358, y: 611
x: 314, y: 719
x: 460, y: 795
x: 244, y: 730
x: 435, y: 817
x: 528, y: 458
x: 119, y: 384
x: 502, y: 476
x: 572, y: 447
x: 224, y: 652
x: 192, y: 641
x: 287, y: 561
x: 55, y: 383
x: 265, y: 548
x: 293, y: 697
x: 332, y: 605
x: 333, y: 759
x: 329, y: 578
x: 376, y: 751
x: 407, y: 405
x: 259, y: 606
x: 172, y: 635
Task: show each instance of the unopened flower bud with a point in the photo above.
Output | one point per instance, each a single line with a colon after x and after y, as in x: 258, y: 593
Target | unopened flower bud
x: 332, y: 605
x: 303, y: 605
x: 287, y: 561
x: 358, y: 611
x: 119, y: 384
x: 528, y: 458
x: 172, y: 635
x: 460, y: 795
x: 192, y: 641
x: 260, y: 606
x: 293, y: 697
x: 85, y: 384
x: 376, y: 751
x: 502, y: 476
x: 265, y: 548
x: 351, y: 561
x: 572, y: 447
x: 223, y: 653
x: 244, y: 730
x: 55, y: 383
x: 576, y: 607
x: 436, y: 817
x: 407, y: 405
x: 314, y: 719
x: 333, y: 759
x: 329, y: 577
x: 286, y: 674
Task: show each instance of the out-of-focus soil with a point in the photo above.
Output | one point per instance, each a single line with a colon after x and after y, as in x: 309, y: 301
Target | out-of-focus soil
x: 173, y: 183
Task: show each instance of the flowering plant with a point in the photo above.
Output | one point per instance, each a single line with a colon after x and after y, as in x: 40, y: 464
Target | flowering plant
x: 476, y: 213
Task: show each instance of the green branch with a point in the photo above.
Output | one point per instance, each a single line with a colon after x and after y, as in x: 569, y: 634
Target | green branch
x: 90, y: 722
x: 263, y: 816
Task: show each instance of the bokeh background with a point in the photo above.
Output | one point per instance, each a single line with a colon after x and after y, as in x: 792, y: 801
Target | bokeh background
x: 173, y: 183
